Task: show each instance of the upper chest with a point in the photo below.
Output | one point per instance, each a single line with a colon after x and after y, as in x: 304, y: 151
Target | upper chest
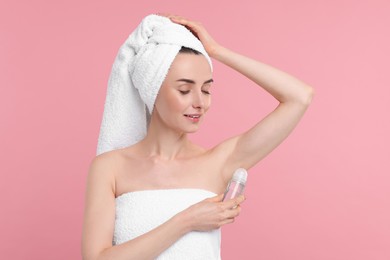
x: 135, y: 174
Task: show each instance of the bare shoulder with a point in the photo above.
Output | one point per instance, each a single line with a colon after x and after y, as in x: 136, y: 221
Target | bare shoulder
x: 107, y: 159
x: 99, y: 211
x: 102, y: 169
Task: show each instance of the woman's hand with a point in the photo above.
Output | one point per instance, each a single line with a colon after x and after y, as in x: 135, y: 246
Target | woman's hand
x: 198, y: 30
x: 211, y: 213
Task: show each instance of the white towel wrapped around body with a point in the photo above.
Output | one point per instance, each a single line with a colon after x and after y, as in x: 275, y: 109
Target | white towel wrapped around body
x: 139, y: 212
x: 139, y: 69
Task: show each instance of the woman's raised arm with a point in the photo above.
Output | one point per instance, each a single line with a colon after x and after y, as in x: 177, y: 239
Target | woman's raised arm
x: 250, y: 147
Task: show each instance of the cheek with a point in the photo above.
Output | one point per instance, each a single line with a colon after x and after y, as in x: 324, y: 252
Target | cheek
x: 175, y: 102
x: 207, y: 103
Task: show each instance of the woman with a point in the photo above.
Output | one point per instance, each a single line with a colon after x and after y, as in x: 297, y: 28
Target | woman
x: 166, y: 164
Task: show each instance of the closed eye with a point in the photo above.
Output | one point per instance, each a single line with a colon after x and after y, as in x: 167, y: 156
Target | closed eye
x: 187, y: 91
x: 184, y: 92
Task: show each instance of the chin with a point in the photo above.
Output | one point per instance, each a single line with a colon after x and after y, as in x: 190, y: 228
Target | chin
x: 191, y: 130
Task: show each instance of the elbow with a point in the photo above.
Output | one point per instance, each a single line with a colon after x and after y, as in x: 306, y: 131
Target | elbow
x: 310, y: 95
x: 307, y: 96
x: 302, y: 98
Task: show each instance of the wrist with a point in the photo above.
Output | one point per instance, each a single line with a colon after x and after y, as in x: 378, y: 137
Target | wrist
x: 183, y: 221
x: 217, y: 52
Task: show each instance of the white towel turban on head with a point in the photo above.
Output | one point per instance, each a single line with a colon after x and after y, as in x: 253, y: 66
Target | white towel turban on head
x: 139, y: 69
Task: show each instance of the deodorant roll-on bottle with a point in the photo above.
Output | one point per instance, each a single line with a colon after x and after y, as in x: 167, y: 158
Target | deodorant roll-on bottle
x: 236, y: 185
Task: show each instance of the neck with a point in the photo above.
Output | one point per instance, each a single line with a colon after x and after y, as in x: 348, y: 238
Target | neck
x: 164, y: 143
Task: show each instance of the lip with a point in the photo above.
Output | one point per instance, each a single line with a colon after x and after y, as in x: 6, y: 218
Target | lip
x: 193, y: 119
x: 193, y: 115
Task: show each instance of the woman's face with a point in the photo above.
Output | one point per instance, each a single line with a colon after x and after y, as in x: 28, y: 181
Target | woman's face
x: 184, y: 97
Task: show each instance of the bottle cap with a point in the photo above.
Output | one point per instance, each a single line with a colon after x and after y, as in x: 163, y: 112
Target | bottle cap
x: 240, y: 175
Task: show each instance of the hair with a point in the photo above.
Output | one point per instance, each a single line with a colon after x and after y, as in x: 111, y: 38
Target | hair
x: 189, y: 50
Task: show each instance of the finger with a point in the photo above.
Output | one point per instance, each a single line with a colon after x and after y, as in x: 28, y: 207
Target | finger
x: 216, y: 198
x: 241, y: 198
x: 170, y: 16
x: 178, y: 20
x: 229, y: 204
x: 234, y: 212
x: 231, y: 214
x: 190, y: 25
x: 177, y: 17
x: 181, y: 20
x: 226, y: 221
x: 233, y: 203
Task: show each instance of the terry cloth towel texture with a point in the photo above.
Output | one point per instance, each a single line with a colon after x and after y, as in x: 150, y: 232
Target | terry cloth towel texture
x: 138, y: 212
x: 139, y: 69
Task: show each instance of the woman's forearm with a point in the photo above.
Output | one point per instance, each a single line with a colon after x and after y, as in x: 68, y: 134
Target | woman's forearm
x: 282, y: 86
x: 150, y: 244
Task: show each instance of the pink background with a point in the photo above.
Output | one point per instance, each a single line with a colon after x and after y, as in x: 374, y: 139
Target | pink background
x: 322, y: 194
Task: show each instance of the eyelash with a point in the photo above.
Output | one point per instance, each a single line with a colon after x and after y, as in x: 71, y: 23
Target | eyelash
x: 187, y: 91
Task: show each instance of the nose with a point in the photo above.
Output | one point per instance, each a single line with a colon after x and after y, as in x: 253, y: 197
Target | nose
x: 198, y: 100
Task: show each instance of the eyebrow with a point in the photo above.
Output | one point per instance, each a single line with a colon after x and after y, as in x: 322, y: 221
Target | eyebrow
x: 193, y: 82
